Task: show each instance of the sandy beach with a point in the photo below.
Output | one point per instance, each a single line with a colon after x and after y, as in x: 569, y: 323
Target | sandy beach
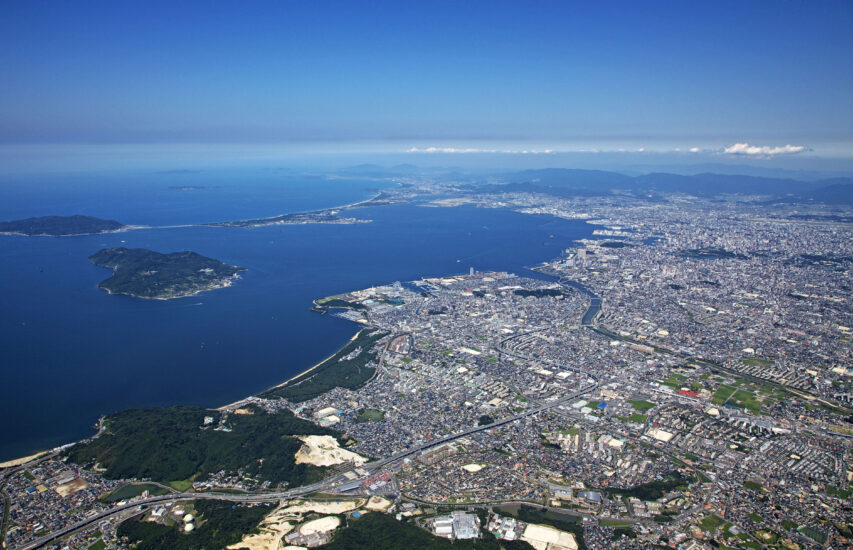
x: 354, y: 336
x: 22, y: 460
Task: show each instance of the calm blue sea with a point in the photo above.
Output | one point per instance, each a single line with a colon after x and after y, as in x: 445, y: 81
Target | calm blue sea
x: 70, y: 353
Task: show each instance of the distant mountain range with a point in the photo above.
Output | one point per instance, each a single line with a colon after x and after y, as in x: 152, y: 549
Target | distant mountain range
x: 566, y: 182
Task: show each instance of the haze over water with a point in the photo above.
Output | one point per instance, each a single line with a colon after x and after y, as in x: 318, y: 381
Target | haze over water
x: 69, y: 352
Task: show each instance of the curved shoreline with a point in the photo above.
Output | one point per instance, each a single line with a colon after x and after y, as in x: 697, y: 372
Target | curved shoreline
x: 13, y: 462
x: 26, y: 459
x: 246, y: 398
x: 241, y: 401
x: 354, y: 336
x: 23, y: 460
x: 306, y: 371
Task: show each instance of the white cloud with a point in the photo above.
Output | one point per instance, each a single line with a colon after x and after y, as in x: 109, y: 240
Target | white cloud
x: 738, y: 149
x: 763, y: 151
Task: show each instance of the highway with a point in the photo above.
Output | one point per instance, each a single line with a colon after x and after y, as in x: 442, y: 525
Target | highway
x: 233, y: 497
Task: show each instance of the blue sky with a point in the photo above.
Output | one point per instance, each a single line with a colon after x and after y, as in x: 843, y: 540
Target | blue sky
x: 397, y: 76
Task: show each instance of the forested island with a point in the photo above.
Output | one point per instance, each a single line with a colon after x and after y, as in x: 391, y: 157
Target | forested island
x: 60, y: 226
x: 147, y: 274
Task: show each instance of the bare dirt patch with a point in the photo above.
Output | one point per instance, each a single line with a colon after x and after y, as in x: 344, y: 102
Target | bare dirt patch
x: 71, y: 487
x: 272, y: 529
x: 324, y: 450
x: 320, y: 525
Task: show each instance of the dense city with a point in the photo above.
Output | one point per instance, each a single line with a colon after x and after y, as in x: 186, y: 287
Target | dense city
x: 683, y: 379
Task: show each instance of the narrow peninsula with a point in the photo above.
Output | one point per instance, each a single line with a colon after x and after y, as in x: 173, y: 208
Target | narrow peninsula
x: 329, y: 216
x: 325, y: 216
x: 60, y: 226
x: 144, y: 273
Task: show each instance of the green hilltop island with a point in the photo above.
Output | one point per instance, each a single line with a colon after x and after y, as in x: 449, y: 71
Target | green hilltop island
x: 60, y: 226
x: 144, y: 273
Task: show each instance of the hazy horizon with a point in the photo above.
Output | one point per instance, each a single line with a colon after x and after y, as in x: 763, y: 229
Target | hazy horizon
x: 575, y: 85
x: 57, y: 159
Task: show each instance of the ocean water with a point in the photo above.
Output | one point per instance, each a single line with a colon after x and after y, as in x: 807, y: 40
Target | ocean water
x: 69, y: 352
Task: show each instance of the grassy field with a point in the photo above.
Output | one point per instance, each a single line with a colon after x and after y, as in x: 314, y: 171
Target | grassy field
x: 738, y: 397
x: 723, y: 393
x: 747, y: 400
x: 642, y: 406
x: 751, y: 485
x: 710, y: 524
x: 674, y: 382
x: 615, y: 523
x: 756, y: 362
x: 370, y: 415
x: 765, y: 536
x: 840, y: 493
x: 181, y: 485
x: 812, y: 534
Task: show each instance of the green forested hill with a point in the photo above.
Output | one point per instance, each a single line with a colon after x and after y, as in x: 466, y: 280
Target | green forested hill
x: 222, y: 524
x: 376, y: 531
x: 172, y: 444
